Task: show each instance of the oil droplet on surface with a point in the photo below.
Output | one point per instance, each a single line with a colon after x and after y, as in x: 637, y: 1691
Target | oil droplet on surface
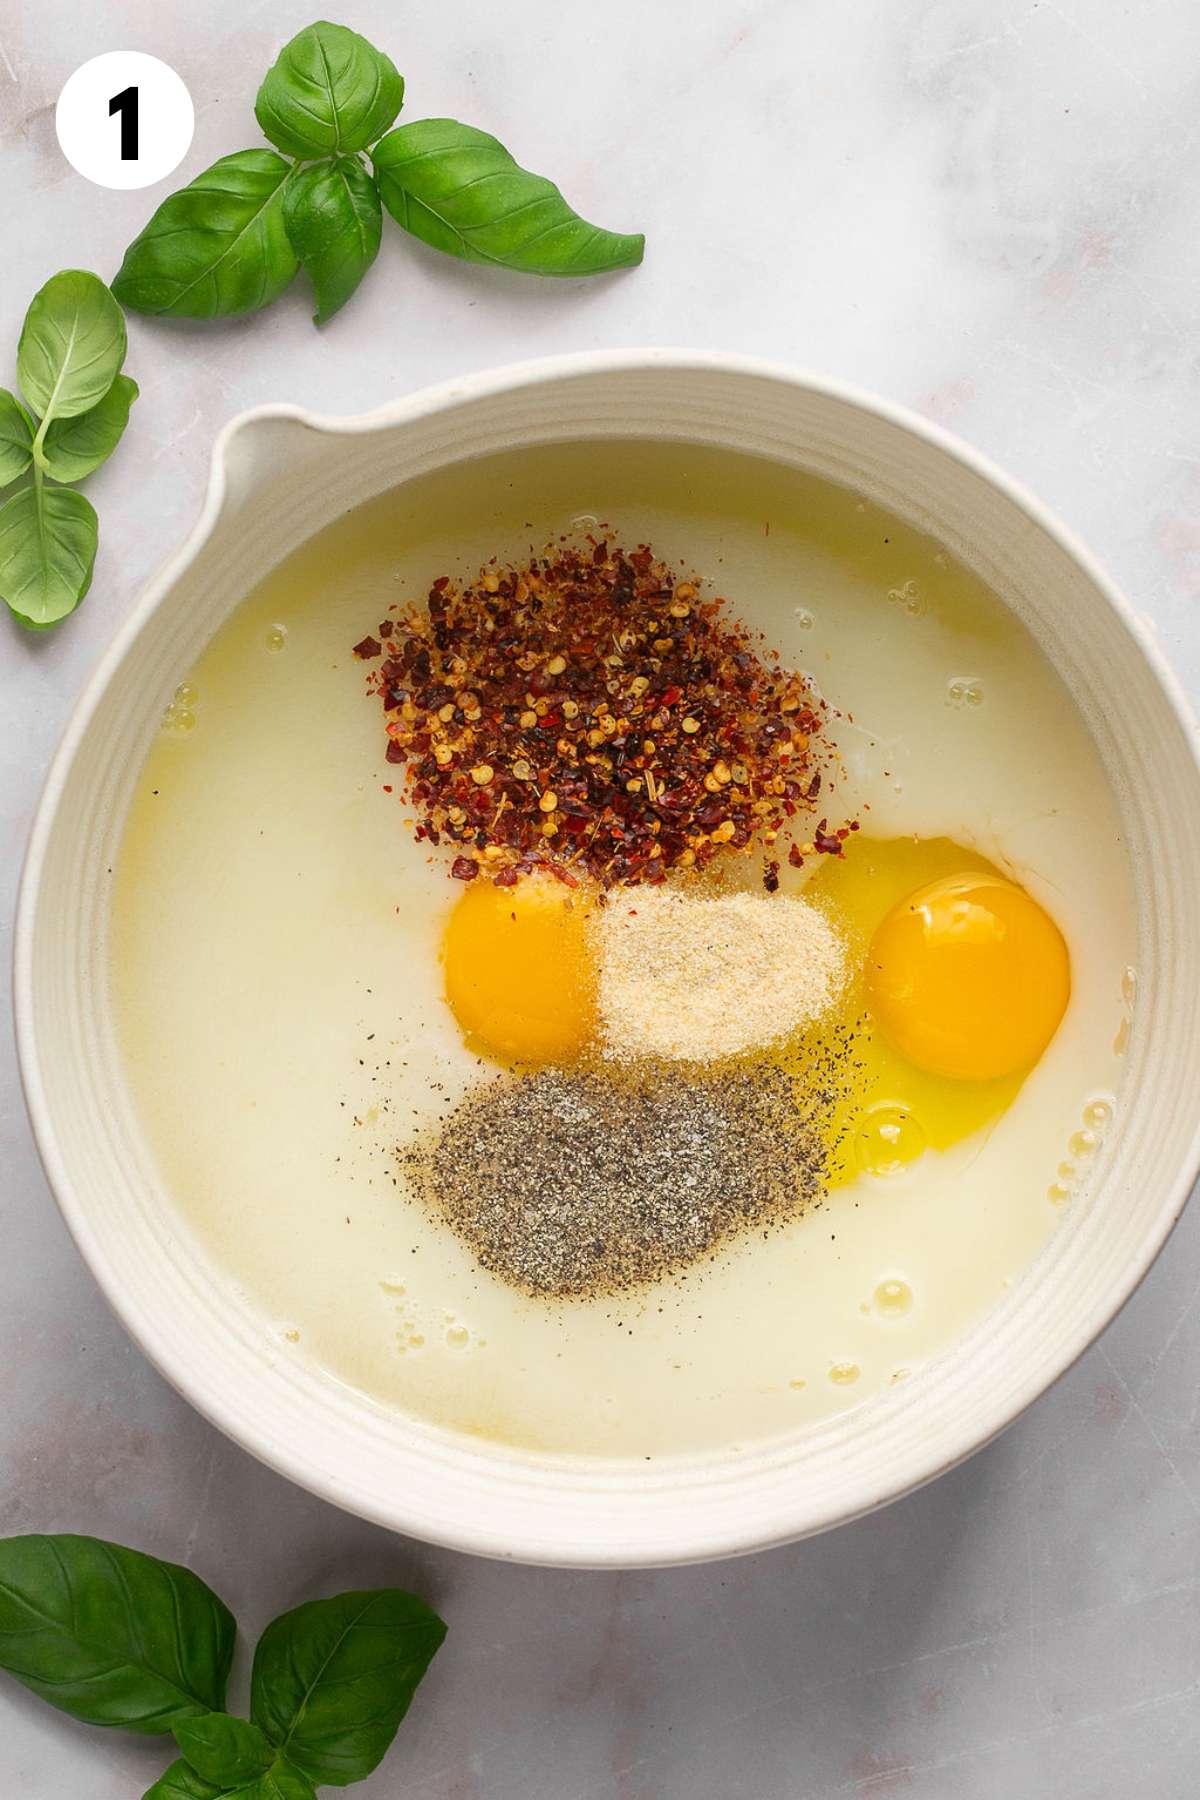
x: 797, y: 1384
x: 185, y: 694
x: 1098, y: 1112
x: 1121, y: 1041
x: 907, y: 596
x: 1083, y: 1143
x: 887, y: 1138
x: 395, y: 1288
x: 1057, y: 1194
x: 893, y: 1298
x: 844, y: 1374
x: 803, y: 617
x: 1066, y: 1171
x: 276, y: 637
x: 416, y: 1341
x: 458, y: 1337
x: 179, y: 720
x: 1129, y: 986
x: 584, y: 522
x: 964, y: 690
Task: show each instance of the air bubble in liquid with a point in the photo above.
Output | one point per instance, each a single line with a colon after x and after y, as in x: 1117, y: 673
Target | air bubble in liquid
x: 276, y: 637
x: 893, y: 1298
x: 1083, y: 1143
x: 458, y: 1337
x: 803, y: 617
x: 1098, y: 1112
x: 185, y: 694
x: 584, y: 522
x: 887, y: 1138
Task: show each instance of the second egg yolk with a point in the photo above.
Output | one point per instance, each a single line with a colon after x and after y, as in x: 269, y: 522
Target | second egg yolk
x: 969, y: 977
x: 519, y: 973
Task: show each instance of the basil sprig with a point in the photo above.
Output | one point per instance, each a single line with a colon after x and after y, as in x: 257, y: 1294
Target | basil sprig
x: 232, y: 240
x: 69, y: 360
x: 118, y: 1638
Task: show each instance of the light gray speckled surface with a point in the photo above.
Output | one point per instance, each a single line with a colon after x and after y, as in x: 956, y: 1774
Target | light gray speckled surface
x: 983, y: 208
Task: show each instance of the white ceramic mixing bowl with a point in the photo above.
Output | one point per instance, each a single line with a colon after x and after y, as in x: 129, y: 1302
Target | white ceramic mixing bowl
x: 274, y: 482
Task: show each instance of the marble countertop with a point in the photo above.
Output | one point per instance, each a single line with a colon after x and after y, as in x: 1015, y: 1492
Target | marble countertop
x: 985, y: 209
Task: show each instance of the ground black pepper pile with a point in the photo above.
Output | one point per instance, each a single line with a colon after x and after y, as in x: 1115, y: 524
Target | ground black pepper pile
x: 588, y: 711
x: 570, y: 1184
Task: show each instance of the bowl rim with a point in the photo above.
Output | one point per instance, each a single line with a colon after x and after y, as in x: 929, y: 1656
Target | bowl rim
x: 482, y: 1538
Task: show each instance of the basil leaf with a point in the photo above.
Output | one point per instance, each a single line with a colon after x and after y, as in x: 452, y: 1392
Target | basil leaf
x: 328, y: 92
x: 461, y: 191
x: 334, y: 220
x: 333, y: 1679
x: 104, y: 1633
x: 283, y: 1782
x: 72, y: 448
x: 181, y: 1782
x: 16, y: 438
x: 47, y: 549
x: 224, y: 1749
x: 72, y: 345
x: 216, y: 247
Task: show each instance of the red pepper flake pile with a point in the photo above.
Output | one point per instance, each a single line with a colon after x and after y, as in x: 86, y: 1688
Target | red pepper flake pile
x: 589, y: 712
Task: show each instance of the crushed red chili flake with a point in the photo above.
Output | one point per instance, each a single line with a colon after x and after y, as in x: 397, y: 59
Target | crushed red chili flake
x: 588, y: 710
x: 368, y: 648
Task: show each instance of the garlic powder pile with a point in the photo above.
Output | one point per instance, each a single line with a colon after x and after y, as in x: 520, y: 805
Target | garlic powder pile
x: 695, y: 977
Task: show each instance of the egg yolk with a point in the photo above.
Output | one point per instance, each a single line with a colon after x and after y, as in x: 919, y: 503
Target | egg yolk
x: 519, y: 973
x: 968, y: 977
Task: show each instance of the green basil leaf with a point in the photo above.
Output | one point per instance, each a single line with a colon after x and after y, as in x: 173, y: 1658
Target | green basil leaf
x: 16, y: 438
x: 333, y: 1679
x: 461, y: 191
x: 47, y: 549
x: 104, y: 1633
x: 181, y: 1782
x: 224, y: 1749
x: 72, y: 448
x: 334, y: 220
x: 72, y: 345
x: 216, y: 247
x: 328, y: 93
x: 283, y: 1782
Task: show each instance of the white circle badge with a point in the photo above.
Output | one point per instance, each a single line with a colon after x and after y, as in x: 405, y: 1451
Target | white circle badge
x: 124, y: 119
